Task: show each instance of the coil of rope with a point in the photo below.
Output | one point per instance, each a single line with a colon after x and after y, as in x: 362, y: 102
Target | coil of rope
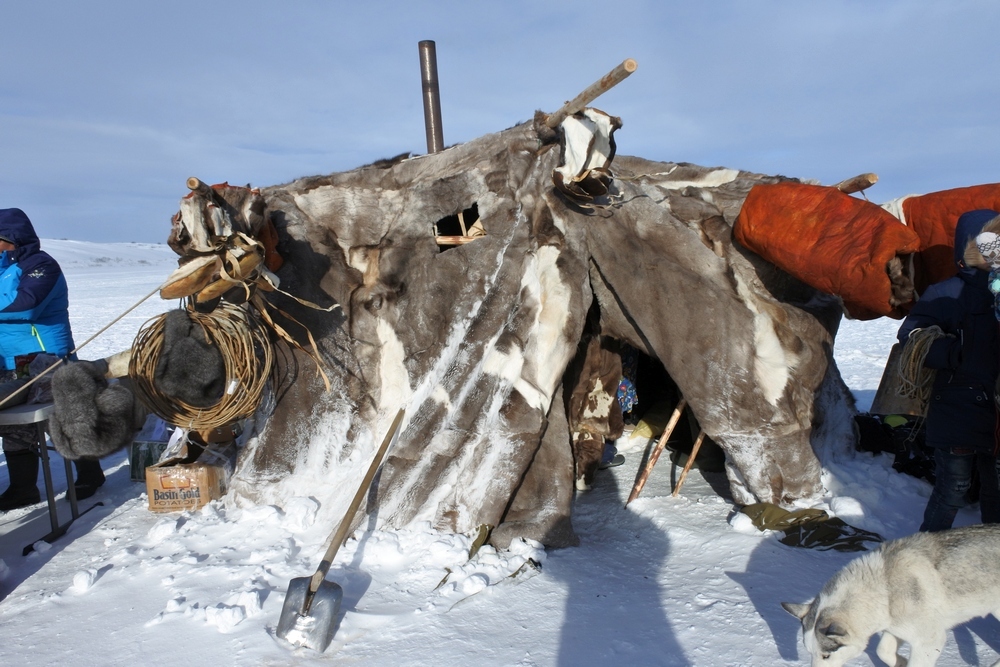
x: 915, y: 379
x: 247, y: 354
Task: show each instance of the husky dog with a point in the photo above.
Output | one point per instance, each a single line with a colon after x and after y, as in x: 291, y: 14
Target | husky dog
x: 913, y: 590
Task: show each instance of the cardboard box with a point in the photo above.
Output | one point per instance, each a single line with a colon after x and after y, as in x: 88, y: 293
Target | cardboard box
x: 190, y: 482
x: 174, y: 487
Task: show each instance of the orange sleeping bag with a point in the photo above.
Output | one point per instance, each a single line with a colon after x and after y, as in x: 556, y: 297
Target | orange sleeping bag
x: 831, y: 241
x: 933, y: 217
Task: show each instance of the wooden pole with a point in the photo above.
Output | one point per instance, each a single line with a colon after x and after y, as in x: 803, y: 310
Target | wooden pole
x: 655, y: 454
x: 195, y: 184
x: 690, y: 462
x: 857, y: 184
x: 592, y: 92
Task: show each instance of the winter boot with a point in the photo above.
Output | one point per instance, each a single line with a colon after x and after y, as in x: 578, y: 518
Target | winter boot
x: 22, y: 468
x: 89, y: 477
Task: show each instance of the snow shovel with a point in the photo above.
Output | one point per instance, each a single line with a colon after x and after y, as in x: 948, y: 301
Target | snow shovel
x: 312, y: 603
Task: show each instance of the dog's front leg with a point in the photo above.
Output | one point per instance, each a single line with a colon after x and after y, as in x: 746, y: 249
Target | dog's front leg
x: 926, y: 651
x: 887, y: 649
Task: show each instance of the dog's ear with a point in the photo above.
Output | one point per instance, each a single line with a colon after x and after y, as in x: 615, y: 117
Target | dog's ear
x: 799, y: 611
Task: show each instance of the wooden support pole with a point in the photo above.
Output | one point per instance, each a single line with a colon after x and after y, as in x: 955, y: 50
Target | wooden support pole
x: 655, y: 454
x: 690, y: 462
x: 195, y: 184
x: 198, y: 186
x: 592, y: 92
x: 857, y: 184
x: 455, y: 240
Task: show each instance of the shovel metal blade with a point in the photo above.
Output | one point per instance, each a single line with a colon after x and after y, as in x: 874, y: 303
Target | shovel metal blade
x: 315, y: 628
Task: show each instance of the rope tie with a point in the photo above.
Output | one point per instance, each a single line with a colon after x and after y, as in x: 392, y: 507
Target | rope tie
x: 915, y: 379
x: 247, y: 354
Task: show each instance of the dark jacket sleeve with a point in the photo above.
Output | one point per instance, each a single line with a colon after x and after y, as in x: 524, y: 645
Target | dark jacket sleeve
x: 938, y: 306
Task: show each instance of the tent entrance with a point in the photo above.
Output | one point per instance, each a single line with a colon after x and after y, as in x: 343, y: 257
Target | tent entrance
x: 657, y: 395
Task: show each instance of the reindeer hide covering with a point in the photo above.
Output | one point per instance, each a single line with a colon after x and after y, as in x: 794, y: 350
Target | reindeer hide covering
x: 474, y: 340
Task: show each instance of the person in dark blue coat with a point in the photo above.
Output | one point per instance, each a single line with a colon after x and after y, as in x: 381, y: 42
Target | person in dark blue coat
x: 34, y: 318
x: 961, y: 415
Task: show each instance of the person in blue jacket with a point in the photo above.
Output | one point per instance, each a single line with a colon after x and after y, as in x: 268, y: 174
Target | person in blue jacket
x: 961, y: 415
x: 34, y: 318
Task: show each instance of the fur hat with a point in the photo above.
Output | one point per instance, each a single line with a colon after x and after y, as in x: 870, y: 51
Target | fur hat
x: 91, y: 417
x: 190, y: 366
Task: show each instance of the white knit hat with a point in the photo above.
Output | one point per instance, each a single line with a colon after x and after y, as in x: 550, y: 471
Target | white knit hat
x: 988, y: 244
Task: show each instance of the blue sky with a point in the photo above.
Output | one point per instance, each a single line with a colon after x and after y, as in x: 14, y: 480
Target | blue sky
x: 106, y: 107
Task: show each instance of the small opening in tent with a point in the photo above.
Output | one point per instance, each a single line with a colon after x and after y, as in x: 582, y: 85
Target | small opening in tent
x: 458, y: 229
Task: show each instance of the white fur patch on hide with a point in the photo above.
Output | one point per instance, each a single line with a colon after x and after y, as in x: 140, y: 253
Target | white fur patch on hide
x: 440, y: 394
x: 394, y: 380
x: 712, y: 179
x: 221, y: 225
x: 533, y: 396
x: 543, y: 284
x: 506, y: 366
x: 587, y: 144
x: 194, y: 222
x: 772, y: 364
x: 601, y: 400
x: 358, y: 258
x: 895, y: 207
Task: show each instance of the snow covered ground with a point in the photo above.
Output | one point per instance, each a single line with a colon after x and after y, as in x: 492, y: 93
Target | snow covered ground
x: 667, y: 581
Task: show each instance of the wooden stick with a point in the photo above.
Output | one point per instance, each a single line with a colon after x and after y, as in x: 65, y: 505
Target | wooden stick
x: 655, y: 454
x: 198, y: 186
x: 455, y: 240
x: 690, y: 462
x: 195, y: 184
x: 592, y: 92
x: 857, y: 184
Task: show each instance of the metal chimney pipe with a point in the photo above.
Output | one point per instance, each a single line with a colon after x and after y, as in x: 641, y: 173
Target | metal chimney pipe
x: 432, y: 96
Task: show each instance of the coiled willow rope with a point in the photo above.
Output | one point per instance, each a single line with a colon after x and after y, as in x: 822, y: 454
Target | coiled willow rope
x: 915, y: 379
x: 247, y: 355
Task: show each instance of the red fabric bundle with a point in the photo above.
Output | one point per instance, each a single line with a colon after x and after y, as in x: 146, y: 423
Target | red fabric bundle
x: 933, y: 217
x: 829, y: 240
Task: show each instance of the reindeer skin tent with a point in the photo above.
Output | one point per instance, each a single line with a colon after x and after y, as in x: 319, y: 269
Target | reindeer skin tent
x: 474, y: 341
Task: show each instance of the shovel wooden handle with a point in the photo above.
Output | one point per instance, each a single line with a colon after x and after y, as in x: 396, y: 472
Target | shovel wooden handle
x: 341, y: 533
